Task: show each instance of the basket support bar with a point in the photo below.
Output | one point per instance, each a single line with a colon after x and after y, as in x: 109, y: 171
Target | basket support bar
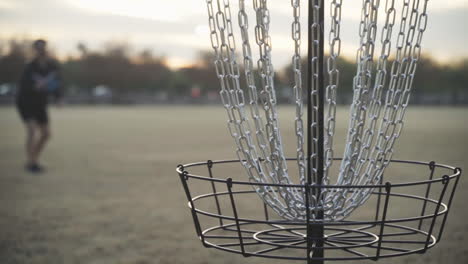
x: 315, y: 230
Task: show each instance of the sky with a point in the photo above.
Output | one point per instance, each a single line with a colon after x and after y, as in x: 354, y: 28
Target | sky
x: 177, y: 29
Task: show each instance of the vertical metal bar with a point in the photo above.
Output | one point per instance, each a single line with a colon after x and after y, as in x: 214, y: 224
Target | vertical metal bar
x: 434, y: 218
x: 309, y: 92
x: 388, y: 188
x: 428, y: 191
x: 458, y: 173
x: 209, y: 164
x: 315, y: 230
x: 309, y: 234
x: 321, y: 101
x: 379, y: 197
x: 183, y: 178
x: 236, y: 217
x: 265, y: 210
x: 309, y: 130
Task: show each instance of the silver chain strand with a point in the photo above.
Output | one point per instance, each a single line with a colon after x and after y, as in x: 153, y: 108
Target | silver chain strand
x: 315, y: 30
x: 333, y: 83
x: 381, y: 97
x: 298, y: 89
x: 330, y: 95
x: 314, y: 72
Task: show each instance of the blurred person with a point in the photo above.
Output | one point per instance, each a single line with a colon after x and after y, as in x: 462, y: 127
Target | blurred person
x: 40, y: 78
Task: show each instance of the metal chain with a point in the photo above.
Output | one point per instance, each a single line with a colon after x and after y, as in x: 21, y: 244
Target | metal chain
x: 268, y: 98
x: 227, y: 70
x: 331, y: 89
x: 367, y: 152
x: 402, y: 76
x: 375, y: 105
x: 397, y: 97
x: 373, y: 112
x: 268, y: 94
x: 252, y: 89
x: 388, y: 124
x: 314, y: 72
x: 361, y: 86
x: 298, y: 90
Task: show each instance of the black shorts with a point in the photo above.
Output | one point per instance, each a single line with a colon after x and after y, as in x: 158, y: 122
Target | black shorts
x: 35, y: 112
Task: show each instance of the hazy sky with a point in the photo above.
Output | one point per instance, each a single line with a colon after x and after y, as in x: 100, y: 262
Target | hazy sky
x: 178, y: 28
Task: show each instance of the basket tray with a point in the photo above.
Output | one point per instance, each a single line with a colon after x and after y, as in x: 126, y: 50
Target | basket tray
x: 399, y: 218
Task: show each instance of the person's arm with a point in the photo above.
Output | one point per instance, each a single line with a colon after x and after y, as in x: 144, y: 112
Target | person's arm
x: 40, y: 83
x: 26, y: 82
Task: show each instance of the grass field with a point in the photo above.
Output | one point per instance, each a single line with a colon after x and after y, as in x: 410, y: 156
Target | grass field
x: 111, y: 194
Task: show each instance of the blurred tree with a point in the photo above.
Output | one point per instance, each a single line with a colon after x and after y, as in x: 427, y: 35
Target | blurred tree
x: 127, y: 72
x: 151, y: 73
x: 17, y: 54
x: 116, y: 68
x: 82, y: 48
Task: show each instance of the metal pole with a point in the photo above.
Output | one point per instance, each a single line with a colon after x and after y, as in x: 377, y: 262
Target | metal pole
x: 315, y: 232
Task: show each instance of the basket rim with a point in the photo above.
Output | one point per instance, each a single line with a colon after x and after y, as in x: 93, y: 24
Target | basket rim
x: 456, y: 173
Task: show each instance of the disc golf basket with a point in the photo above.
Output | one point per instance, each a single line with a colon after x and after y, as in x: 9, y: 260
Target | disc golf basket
x: 289, y: 208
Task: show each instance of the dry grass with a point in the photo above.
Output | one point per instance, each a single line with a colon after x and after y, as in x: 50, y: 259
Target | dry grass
x: 111, y: 194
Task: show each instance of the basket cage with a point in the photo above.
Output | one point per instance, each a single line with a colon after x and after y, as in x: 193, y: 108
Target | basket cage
x: 398, y: 219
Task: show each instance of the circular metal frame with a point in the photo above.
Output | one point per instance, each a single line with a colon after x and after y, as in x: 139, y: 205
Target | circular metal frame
x: 221, y: 224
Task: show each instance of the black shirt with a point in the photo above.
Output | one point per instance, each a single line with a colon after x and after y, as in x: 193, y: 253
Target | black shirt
x: 28, y: 93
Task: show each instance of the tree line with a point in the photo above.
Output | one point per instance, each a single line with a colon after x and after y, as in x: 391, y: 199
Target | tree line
x: 129, y: 72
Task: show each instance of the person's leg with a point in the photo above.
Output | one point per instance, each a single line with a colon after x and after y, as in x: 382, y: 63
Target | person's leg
x: 44, y: 136
x: 31, y: 128
x: 39, y: 125
x: 42, y: 120
x: 27, y: 114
